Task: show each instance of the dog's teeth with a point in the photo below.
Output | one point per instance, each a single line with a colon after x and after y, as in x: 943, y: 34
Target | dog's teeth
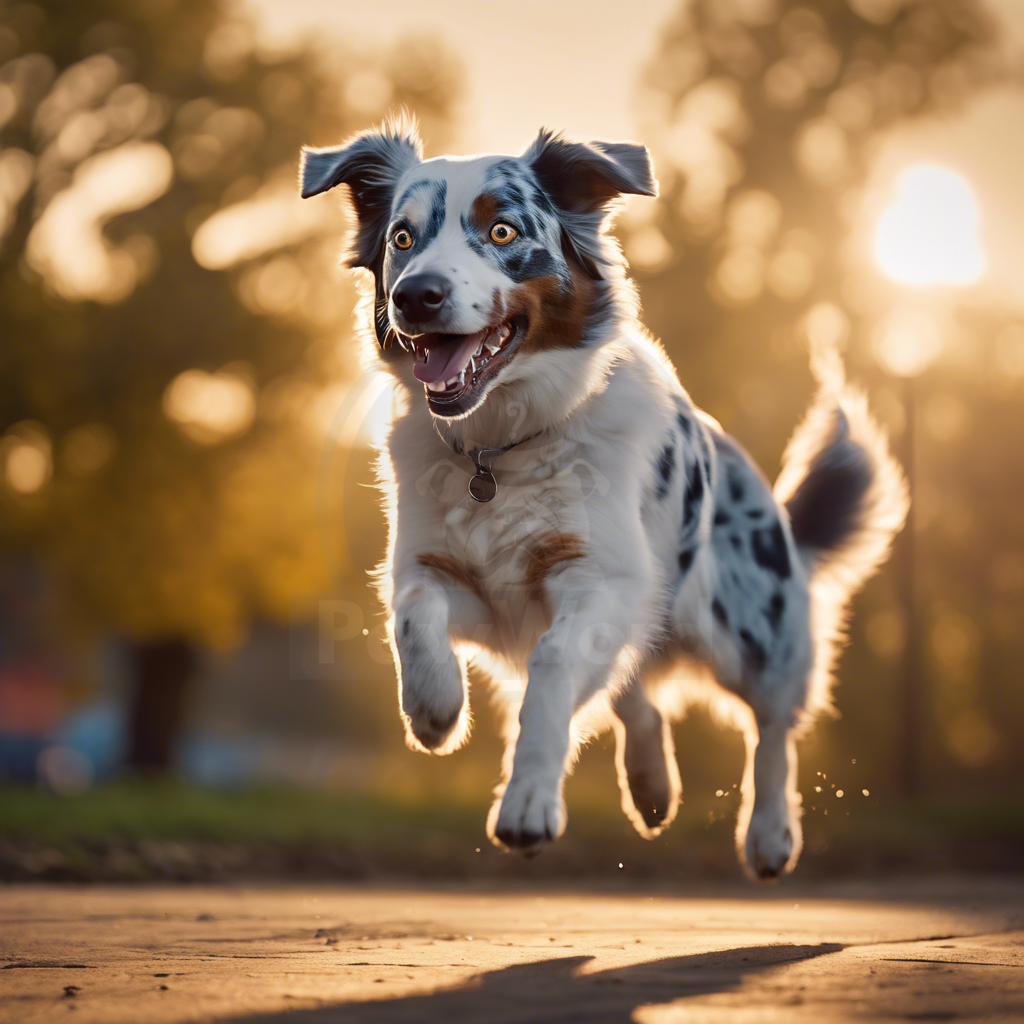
x: 479, y: 351
x: 472, y: 363
x: 492, y: 347
x: 504, y: 331
x: 437, y: 385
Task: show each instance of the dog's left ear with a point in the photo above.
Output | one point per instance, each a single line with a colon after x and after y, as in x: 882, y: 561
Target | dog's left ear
x: 585, y: 177
x: 371, y: 164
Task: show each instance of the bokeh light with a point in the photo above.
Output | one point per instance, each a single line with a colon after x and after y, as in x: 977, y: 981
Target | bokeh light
x: 27, y: 458
x: 211, y: 407
x: 67, y: 245
x: 908, y: 340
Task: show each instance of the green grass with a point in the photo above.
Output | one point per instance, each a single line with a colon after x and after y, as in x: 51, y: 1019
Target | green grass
x: 173, y: 811
x: 142, y: 830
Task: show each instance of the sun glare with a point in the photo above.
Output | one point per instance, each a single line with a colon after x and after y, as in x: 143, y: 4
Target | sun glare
x: 929, y: 235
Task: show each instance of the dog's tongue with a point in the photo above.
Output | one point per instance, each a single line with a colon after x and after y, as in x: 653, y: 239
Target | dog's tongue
x: 447, y: 358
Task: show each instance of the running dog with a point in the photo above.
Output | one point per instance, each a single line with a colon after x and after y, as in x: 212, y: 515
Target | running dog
x: 561, y: 512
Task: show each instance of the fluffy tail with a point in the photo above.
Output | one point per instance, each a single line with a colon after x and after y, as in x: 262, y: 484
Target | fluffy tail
x: 847, y: 499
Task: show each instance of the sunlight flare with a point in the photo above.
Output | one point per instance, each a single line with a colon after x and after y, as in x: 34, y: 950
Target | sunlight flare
x: 930, y: 234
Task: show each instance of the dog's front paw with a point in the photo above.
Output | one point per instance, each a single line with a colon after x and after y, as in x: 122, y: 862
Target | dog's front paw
x: 530, y: 813
x: 433, y: 695
x: 772, y: 843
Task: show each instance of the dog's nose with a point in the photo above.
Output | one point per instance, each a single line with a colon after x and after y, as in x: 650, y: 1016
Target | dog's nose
x: 421, y: 296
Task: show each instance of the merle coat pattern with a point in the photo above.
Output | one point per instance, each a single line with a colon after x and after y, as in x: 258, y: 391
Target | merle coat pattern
x: 633, y: 555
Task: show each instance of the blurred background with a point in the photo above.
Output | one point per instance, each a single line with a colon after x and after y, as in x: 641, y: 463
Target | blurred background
x: 193, y: 680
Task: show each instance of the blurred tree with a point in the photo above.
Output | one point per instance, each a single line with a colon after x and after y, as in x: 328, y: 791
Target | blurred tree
x: 764, y: 116
x: 170, y: 337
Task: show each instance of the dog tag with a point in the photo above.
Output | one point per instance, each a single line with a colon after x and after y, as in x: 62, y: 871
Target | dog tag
x: 483, y: 486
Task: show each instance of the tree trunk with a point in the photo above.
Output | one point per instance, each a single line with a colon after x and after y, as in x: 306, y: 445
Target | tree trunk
x: 164, y: 673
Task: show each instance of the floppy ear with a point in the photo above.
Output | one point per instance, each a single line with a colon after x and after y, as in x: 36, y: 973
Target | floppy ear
x: 371, y: 165
x: 585, y: 177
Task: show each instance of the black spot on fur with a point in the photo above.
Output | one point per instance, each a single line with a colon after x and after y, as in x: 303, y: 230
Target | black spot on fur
x: 666, y: 466
x: 684, y: 423
x: 755, y: 513
x: 686, y: 560
x: 473, y: 239
x: 718, y: 610
x: 736, y: 542
x: 511, y: 195
x: 522, y: 266
x: 756, y: 654
x: 721, y: 519
x: 735, y: 487
x: 415, y: 187
x: 540, y: 199
x: 694, y: 494
x: 394, y: 259
x: 769, y: 547
x: 773, y: 613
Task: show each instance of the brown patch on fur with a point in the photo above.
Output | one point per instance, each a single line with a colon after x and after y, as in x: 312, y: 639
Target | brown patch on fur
x: 454, y: 570
x: 497, y: 307
x: 543, y: 556
x: 484, y: 212
x: 557, y: 315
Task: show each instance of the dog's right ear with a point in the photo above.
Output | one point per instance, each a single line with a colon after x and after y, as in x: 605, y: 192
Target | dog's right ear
x: 371, y: 165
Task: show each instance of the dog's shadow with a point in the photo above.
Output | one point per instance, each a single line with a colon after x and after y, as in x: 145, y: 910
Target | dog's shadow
x: 555, y: 991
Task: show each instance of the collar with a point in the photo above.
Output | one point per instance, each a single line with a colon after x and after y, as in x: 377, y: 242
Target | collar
x: 482, y: 485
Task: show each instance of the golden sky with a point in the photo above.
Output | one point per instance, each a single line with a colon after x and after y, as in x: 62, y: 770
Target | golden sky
x: 528, y: 63
x: 574, y: 67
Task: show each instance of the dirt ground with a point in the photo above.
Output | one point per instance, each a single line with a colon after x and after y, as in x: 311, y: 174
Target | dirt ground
x: 931, y: 950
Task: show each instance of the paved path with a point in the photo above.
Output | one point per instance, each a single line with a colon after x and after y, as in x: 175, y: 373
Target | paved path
x: 933, y: 951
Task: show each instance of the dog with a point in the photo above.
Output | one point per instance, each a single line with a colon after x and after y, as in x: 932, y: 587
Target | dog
x: 562, y: 514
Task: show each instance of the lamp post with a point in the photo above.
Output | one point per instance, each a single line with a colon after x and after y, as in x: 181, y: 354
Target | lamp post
x: 927, y: 242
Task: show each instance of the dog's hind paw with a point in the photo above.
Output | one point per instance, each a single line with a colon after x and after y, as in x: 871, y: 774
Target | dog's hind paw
x: 770, y: 848
x: 653, y: 799
x: 649, y: 781
x: 530, y: 813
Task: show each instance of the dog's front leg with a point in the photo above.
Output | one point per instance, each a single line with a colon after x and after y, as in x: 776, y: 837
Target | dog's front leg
x: 431, y: 679
x: 592, y: 623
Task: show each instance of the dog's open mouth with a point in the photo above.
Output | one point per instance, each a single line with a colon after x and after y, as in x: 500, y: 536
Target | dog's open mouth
x: 451, y: 366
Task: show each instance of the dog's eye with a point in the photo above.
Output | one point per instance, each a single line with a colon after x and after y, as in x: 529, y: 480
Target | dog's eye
x: 402, y: 239
x: 502, y: 234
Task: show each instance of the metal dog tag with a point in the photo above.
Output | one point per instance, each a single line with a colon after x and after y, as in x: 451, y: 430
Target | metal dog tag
x: 483, y: 486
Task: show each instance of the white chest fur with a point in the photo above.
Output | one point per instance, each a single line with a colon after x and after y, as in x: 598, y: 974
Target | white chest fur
x: 542, y: 492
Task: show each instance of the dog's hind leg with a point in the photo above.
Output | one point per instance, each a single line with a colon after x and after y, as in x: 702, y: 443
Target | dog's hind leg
x: 645, y: 759
x: 768, y: 834
x: 761, y: 651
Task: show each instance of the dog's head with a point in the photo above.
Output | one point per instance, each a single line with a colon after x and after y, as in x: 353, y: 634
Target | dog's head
x: 481, y: 261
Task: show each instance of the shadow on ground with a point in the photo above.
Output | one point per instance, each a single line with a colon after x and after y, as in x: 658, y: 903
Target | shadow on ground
x: 558, y: 989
